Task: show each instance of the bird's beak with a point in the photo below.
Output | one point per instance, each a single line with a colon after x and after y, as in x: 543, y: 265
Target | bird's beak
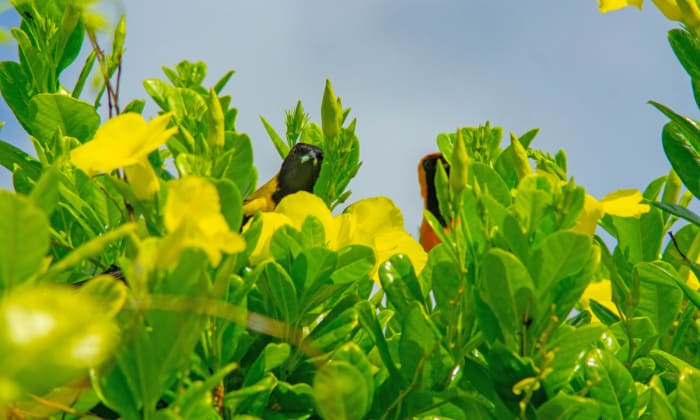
x: 309, y: 157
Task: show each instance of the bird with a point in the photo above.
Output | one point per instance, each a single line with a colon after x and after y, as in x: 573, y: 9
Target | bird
x: 299, y: 172
x: 427, y: 168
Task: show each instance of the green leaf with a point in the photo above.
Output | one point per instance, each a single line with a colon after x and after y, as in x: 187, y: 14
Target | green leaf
x: 107, y: 292
x: 88, y: 250
x: 557, y: 256
x: 14, y: 86
x: 399, y: 282
x: 659, y: 406
x: 12, y: 158
x: 603, y: 313
x: 566, y: 293
x: 695, y: 84
x: 312, y: 134
x: 252, y: 399
x: 641, y: 330
x: 285, y: 245
x: 312, y: 233
x: 642, y: 369
x: 354, y: 263
x: 687, y: 49
x: 160, y: 342
x: 490, y: 182
x: 222, y: 81
x: 682, y: 149
x: 159, y: 91
x: 188, y: 106
x: 659, y: 297
x: 198, y: 392
x: 506, y: 369
x: 236, y: 163
x: 297, y: 398
x: 568, y: 347
x: 271, y: 357
x: 84, y: 213
x: 52, y: 112
x: 527, y: 138
x: 311, y: 270
x: 445, y: 283
x: 514, y: 236
x: 231, y: 203
x: 116, y: 392
x: 83, y: 76
x: 43, y: 334
x: 45, y: 191
x: 71, y: 38
x: 680, y: 211
x: 24, y: 239
x: 135, y: 105
x: 688, y: 126
x: 669, y: 367
x: 279, y: 292
x: 612, y: 384
x: 505, y: 286
x: 421, y: 353
x: 472, y: 219
x: 189, y: 74
x: 368, y: 320
x: 280, y: 145
x: 687, y: 402
x: 353, y: 354
x: 569, y: 407
x: 335, y: 329
x: 476, y: 374
x: 639, y: 239
x: 533, y: 201
x: 445, y: 144
x: 341, y: 391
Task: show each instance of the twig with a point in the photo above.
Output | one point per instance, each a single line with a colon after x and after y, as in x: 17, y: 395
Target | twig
x: 678, y: 248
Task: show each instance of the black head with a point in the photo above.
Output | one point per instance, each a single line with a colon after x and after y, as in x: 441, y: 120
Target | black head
x: 299, y: 171
x: 429, y: 166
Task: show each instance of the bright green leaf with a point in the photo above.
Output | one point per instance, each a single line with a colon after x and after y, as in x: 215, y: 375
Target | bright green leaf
x: 341, y: 391
x: 687, y: 402
x: 24, y: 239
x: 52, y: 112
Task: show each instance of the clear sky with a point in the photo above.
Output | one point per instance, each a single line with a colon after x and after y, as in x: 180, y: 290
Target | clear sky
x: 411, y: 69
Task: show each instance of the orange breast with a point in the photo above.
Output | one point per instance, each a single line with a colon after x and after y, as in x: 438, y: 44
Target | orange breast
x: 428, y: 238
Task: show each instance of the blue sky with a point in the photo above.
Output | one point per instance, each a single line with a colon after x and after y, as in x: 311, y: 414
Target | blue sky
x: 411, y: 69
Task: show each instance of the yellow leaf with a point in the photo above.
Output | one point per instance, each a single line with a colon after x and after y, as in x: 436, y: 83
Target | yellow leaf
x: 669, y: 8
x: 122, y: 141
x: 624, y: 203
x: 125, y: 142
x: 390, y: 242
x: 690, y: 12
x: 610, y: 5
x: 302, y: 204
x: 193, y: 219
x: 143, y: 179
x: 374, y: 215
x: 592, y: 212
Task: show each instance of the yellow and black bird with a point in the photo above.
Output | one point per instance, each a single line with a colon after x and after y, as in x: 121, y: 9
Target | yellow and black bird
x: 427, y: 168
x: 299, y: 172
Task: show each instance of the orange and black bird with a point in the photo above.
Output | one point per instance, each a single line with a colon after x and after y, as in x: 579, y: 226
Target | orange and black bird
x: 427, y: 168
x: 299, y: 172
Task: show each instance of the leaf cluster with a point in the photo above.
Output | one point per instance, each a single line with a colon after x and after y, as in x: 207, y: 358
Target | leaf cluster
x: 494, y: 325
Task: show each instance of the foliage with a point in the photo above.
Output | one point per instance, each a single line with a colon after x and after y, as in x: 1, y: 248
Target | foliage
x: 130, y: 285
